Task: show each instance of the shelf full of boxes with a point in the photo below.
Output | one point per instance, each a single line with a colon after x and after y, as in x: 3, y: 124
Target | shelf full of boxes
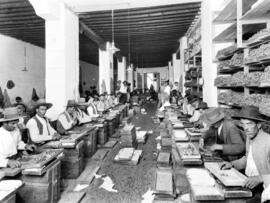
x: 243, y: 68
x: 193, y: 68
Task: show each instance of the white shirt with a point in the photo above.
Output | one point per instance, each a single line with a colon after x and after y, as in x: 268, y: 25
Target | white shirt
x: 123, y: 89
x: 36, y: 137
x: 9, y: 143
x: 251, y: 168
x: 167, y: 90
x: 195, y: 117
x: 219, y: 129
x: 190, y: 109
x: 64, y: 121
x: 91, y: 109
x: 83, y: 117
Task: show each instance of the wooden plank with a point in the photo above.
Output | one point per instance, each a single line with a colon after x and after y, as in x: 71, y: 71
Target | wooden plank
x: 89, y: 173
x: 110, y: 144
x: 100, y: 154
x: 230, y: 178
x: 72, y: 197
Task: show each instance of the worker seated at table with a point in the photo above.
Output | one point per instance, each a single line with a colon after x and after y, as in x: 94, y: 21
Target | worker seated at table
x: 39, y: 127
x: 106, y: 101
x: 68, y: 119
x: 100, y: 104
x: 82, y: 116
x: 223, y: 136
x: 202, y: 107
x: 92, y: 109
x: 256, y: 160
x: 187, y: 108
x: 10, y: 139
x: 111, y: 100
x: 196, y: 114
x: 24, y: 118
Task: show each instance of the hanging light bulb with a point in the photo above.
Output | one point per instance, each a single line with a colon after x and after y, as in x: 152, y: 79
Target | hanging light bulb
x: 113, y: 48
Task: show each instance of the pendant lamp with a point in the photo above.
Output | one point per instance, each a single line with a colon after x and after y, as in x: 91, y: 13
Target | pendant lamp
x: 113, y: 49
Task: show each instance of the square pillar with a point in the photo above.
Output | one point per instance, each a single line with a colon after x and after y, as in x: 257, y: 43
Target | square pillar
x: 170, y: 71
x: 105, y: 70
x: 62, y: 59
x: 176, y: 68
x: 122, y: 68
x: 142, y: 81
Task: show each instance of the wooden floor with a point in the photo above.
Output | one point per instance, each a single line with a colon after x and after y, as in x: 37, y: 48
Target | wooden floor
x: 130, y: 181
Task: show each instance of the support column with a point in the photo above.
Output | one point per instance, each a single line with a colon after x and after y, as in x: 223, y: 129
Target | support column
x: 130, y: 76
x: 183, y: 46
x: 176, y: 68
x: 136, y: 79
x: 209, y: 70
x: 105, y: 70
x: 143, y: 81
x: 62, y: 54
x: 122, y: 68
x: 170, y: 71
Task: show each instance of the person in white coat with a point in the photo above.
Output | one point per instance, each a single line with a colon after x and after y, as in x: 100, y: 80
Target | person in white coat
x: 10, y: 139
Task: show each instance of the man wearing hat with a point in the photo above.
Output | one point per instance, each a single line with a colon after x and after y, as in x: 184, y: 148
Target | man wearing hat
x: 10, y: 139
x: 223, y: 136
x: 256, y: 160
x: 92, y: 109
x: 196, y: 114
x: 39, y: 127
x: 80, y: 111
x: 68, y: 119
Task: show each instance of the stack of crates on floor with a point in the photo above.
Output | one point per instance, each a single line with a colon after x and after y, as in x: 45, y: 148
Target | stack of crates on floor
x: 128, y: 136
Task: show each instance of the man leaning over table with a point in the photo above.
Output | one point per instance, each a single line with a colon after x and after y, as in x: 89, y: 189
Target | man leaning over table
x: 256, y: 160
x: 10, y: 139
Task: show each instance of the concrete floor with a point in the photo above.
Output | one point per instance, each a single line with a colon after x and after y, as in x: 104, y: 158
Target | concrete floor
x: 130, y: 181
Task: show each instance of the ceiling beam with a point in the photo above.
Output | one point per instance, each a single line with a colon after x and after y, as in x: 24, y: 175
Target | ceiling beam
x: 140, y: 21
x: 88, y: 6
x: 126, y: 16
x: 92, y: 36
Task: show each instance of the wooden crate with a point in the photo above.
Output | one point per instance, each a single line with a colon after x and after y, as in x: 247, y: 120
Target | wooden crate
x: 72, y: 167
x: 78, y: 151
x: 102, y: 135
x: 42, y: 189
x: 11, y: 199
x: 90, y: 144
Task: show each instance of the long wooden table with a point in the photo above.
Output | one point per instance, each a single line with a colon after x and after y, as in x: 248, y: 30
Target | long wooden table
x: 227, y: 194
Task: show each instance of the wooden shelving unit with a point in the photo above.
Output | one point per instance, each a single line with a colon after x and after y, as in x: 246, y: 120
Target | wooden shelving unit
x: 193, y: 69
x: 248, y: 18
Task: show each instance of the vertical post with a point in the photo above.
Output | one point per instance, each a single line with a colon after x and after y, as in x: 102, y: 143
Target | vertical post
x: 62, y: 59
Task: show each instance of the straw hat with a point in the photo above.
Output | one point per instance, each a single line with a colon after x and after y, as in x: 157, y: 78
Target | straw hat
x: 42, y: 102
x: 10, y: 114
x: 72, y: 103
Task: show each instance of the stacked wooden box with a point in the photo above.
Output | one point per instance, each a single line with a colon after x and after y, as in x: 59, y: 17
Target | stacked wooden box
x: 128, y: 136
x: 44, y: 188
x: 73, y: 162
x: 102, y: 133
x: 90, y: 142
x: 164, y: 188
x: 128, y: 156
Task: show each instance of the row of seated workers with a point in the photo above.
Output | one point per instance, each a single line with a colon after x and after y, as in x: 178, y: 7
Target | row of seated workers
x: 240, y: 140
x: 23, y: 130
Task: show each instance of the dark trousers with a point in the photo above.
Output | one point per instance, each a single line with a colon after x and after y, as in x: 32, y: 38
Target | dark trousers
x: 123, y: 98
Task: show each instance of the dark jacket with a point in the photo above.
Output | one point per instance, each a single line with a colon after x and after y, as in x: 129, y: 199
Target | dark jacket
x: 230, y: 137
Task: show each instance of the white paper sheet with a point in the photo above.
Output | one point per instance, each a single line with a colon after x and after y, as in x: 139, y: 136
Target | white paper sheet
x: 148, y: 197
x: 80, y: 187
x: 108, y: 184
